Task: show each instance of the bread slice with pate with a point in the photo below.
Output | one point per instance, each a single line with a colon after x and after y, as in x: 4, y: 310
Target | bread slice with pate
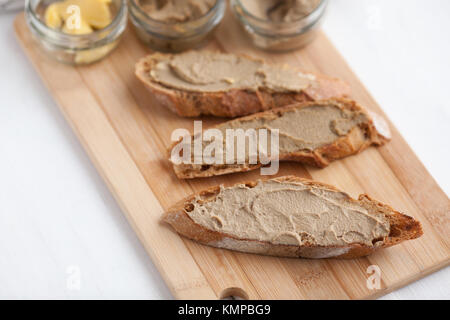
x: 313, y: 133
x: 228, y: 85
x: 290, y: 217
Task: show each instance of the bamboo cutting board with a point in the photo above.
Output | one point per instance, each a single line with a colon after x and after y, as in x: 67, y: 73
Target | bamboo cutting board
x: 126, y: 133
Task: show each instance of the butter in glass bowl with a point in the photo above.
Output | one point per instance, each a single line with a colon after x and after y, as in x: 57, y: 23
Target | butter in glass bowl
x: 77, y: 31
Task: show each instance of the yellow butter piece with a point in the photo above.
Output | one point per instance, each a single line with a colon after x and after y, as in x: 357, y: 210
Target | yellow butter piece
x: 100, y: 16
x: 52, y: 17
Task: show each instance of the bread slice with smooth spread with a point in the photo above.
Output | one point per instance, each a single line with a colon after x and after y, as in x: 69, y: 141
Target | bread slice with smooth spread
x: 227, y: 85
x: 313, y: 133
x: 290, y: 217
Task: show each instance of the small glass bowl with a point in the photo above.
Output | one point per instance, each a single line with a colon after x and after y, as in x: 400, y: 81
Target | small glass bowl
x: 175, y: 37
x: 279, y: 36
x: 76, y: 49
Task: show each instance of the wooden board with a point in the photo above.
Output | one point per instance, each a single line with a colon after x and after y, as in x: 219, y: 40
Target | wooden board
x: 125, y: 132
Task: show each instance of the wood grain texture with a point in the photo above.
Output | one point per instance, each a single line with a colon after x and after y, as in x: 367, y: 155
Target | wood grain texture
x: 126, y: 133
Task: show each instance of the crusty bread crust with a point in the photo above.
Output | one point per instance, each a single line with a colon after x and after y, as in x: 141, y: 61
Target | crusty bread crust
x: 233, y: 103
x: 402, y: 227
x: 357, y: 140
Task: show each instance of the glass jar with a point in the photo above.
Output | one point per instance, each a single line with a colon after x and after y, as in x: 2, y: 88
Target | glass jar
x: 72, y: 48
x: 175, y: 37
x: 279, y: 36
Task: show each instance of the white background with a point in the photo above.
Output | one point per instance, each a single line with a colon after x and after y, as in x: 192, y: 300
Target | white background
x: 58, y: 218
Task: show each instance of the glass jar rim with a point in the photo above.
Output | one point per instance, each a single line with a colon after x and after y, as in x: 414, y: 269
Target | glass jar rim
x: 136, y: 6
x: 96, y: 34
x: 317, y: 11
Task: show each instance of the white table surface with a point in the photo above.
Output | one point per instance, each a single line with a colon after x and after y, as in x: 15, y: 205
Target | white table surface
x: 59, y: 223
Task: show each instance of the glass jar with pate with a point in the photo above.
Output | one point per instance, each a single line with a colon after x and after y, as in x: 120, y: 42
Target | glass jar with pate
x: 280, y: 25
x: 175, y: 25
x: 77, y: 31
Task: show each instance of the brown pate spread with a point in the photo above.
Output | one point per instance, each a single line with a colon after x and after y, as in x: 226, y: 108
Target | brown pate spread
x: 290, y: 213
x: 176, y: 11
x: 207, y: 71
x: 280, y: 10
x: 306, y: 128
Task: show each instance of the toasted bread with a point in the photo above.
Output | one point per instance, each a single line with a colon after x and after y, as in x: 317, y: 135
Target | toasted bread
x: 366, y: 133
x: 236, y: 101
x: 222, y: 232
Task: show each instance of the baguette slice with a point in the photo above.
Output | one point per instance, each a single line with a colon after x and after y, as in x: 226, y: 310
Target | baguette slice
x: 290, y: 217
x: 367, y: 129
x: 234, y: 101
